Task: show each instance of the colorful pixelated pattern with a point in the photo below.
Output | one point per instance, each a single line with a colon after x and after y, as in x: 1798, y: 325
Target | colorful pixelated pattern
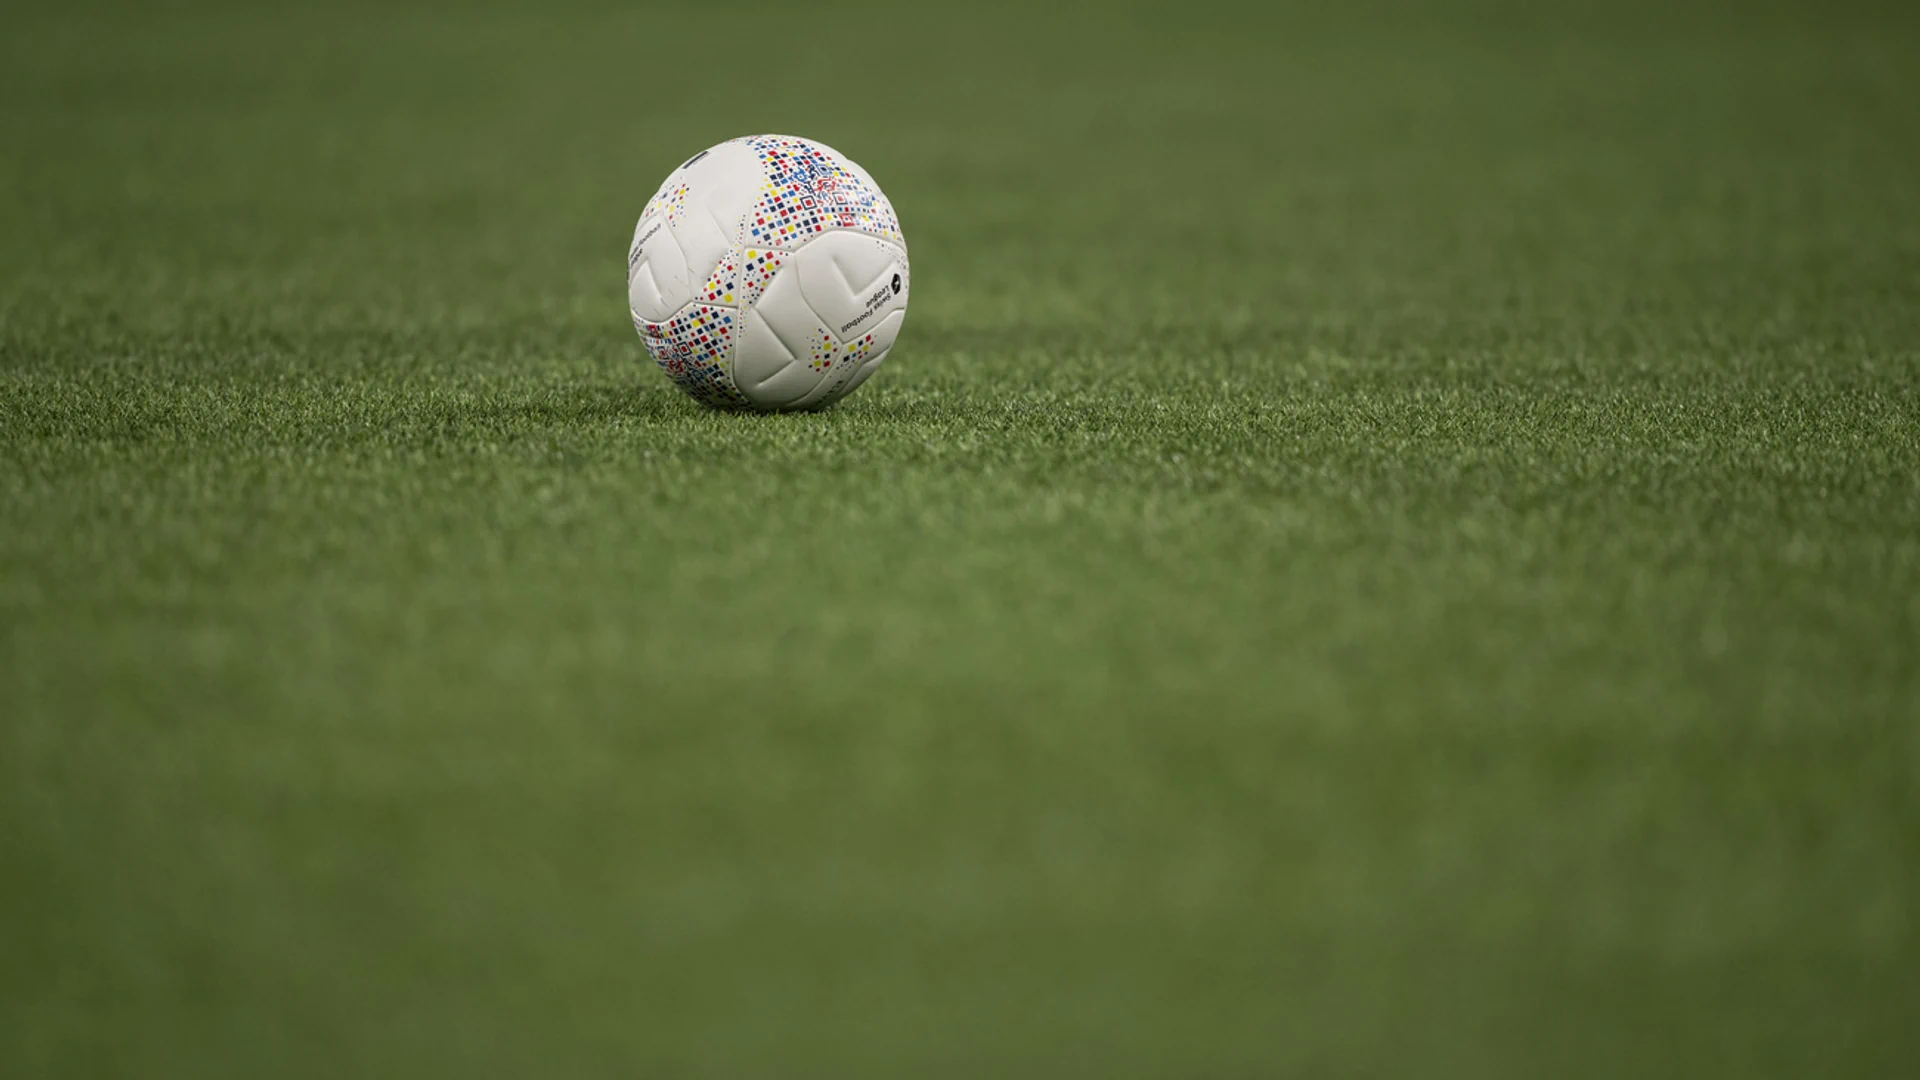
x: 672, y: 200
x: 695, y: 349
x: 742, y: 275
x: 809, y: 191
x: 824, y: 352
x: 805, y: 190
x: 856, y: 351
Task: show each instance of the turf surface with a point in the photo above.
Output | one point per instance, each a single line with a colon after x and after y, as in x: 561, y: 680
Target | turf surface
x: 1390, y: 546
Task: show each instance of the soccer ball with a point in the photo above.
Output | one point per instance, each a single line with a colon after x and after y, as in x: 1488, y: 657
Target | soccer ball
x: 768, y: 273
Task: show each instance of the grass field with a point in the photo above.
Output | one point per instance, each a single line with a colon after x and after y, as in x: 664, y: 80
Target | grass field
x: 1389, y: 546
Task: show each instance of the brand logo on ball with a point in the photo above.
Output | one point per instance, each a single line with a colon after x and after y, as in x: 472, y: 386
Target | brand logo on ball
x: 896, y: 284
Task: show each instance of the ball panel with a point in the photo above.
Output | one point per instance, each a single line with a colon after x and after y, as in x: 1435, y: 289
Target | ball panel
x: 771, y: 379
x: 706, y: 222
x: 781, y: 354
x: 702, y: 242
x: 857, y: 361
x: 852, y: 281
x: 656, y: 272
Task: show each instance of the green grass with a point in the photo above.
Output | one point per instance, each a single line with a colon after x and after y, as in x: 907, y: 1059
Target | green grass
x: 1389, y: 546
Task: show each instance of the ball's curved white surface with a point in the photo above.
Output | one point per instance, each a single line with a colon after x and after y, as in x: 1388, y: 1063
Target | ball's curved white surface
x: 768, y: 272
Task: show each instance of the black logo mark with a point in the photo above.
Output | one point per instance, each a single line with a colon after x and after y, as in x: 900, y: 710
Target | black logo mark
x: 896, y: 284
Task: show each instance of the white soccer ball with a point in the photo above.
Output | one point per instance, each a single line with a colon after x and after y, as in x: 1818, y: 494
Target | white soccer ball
x: 768, y: 273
